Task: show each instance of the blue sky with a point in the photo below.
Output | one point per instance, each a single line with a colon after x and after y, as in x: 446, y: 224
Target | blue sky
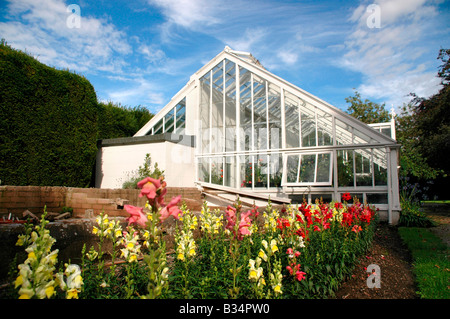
x: 142, y: 52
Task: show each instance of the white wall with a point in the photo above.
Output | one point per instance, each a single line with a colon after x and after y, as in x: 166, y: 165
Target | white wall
x: 116, y: 163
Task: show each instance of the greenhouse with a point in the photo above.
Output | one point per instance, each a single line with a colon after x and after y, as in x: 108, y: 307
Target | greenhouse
x: 256, y: 134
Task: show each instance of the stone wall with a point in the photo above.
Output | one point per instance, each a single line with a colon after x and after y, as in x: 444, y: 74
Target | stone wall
x: 15, y: 200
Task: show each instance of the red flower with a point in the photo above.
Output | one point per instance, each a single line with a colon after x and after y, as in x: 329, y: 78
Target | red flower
x: 300, y: 275
x: 316, y: 228
x: 356, y: 228
x: 171, y: 209
x: 137, y: 215
x: 346, y: 197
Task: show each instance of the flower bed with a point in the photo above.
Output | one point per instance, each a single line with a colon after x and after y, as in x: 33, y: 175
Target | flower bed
x: 295, y: 252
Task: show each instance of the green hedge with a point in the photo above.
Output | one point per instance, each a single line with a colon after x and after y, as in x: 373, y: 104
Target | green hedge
x: 50, y: 121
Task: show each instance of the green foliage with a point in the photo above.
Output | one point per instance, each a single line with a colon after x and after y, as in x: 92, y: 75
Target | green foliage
x: 412, y: 214
x: 48, y: 123
x: 367, y: 111
x: 120, y: 121
x: 142, y: 172
x: 424, y: 133
x: 431, y: 262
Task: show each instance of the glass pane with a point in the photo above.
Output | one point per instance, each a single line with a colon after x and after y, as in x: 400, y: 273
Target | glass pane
x: 217, y: 170
x: 358, y: 196
x: 260, y: 171
x: 380, y: 198
x: 343, y: 133
x: 259, y: 114
x: 274, y: 99
x: 169, y: 122
x: 203, y: 169
x: 308, y: 123
x: 245, y: 100
x: 204, y: 112
x: 217, y: 109
x: 360, y: 138
x: 275, y: 170
x: 323, y: 168
x: 380, y: 167
x: 324, y: 128
x: 292, y: 119
x: 307, y: 168
x: 181, y: 117
x: 230, y: 106
x: 292, y: 168
x: 230, y: 171
x: 325, y: 198
x: 158, y: 128
x: 246, y: 170
x: 345, y: 168
x: 363, y: 168
x: 386, y: 131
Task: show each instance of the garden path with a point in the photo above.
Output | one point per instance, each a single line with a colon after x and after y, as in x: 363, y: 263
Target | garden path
x: 394, y: 259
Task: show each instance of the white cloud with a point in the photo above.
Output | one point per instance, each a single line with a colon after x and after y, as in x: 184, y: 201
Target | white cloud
x: 41, y: 28
x: 390, y: 57
x: 140, y: 91
x: 189, y: 13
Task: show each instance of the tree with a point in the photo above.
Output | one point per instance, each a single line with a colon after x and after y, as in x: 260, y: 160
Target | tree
x: 367, y: 111
x: 423, y: 129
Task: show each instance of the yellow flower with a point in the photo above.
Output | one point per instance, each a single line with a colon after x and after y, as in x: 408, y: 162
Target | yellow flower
x: 19, y: 242
x: 180, y: 256
x: 133, y: 258
x: 24, y: 296
x: 19, y: 281
x: 31, y: 256
x: 262, y: 255
x: 49, y: 291
x: 192, y: 252
x: 72, y: 294
x: 273, y: 245
x: 277, y: 289
x: 95, y: 230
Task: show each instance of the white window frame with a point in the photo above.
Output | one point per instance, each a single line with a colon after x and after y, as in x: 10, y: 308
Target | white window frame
x: 330, y: 172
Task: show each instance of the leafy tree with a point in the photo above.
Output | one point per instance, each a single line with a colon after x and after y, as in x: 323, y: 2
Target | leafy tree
x: 429, y: 129
x: 367, y: 111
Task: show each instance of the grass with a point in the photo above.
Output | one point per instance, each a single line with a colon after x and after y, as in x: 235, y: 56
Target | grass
x: 430, y: 261
x: 435, y: 202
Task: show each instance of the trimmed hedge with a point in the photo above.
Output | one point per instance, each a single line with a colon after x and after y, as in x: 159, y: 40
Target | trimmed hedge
x: 50, y: 121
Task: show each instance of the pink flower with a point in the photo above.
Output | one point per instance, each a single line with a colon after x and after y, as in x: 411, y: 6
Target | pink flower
x: 149, y: 187
x: 297, y: 253
x: 171, y: 209
x: 300, y: 275
x: 137, y: 215
x: 290, y: 252
x: 230, y: 215
x: 245, y: 223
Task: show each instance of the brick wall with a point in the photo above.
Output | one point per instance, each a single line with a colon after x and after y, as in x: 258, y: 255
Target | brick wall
x: 17, y: 199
